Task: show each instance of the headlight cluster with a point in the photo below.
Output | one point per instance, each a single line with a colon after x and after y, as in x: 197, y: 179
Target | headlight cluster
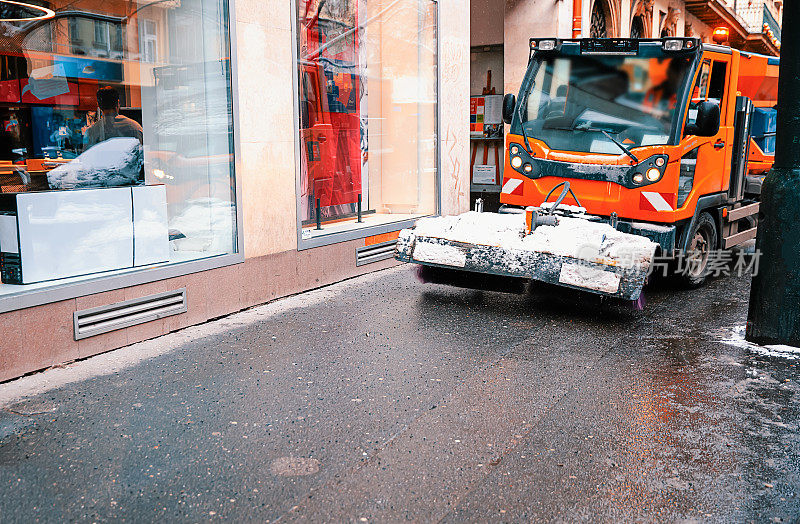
x: 648, y: 171
x: 651, y: 170
x: 520, y: 160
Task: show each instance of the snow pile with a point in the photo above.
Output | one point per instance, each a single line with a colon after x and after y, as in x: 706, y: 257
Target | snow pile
x: 580, y: 275
x: 489, y: 229
x: 575, y: 210
x: 735, y: 337
x: 440, y: 254
x: 573, y: 237
x: 595, y: 241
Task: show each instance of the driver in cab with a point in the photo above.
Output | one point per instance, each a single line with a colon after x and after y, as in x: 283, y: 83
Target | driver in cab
x: 663, y: 97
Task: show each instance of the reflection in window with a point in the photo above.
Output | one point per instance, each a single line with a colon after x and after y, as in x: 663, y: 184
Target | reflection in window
x: 367, y: 102
x: 101, y: 37
x: 123, y: 94
x: 148, y: 41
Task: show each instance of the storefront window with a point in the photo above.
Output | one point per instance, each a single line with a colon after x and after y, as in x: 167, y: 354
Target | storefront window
x: 367, y: 88
x: 116, y: 145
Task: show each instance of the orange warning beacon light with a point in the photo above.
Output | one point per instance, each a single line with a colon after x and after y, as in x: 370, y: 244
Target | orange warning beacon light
x: 721, y: 35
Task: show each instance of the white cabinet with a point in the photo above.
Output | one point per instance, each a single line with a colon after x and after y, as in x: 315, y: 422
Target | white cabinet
x: 70, y: 233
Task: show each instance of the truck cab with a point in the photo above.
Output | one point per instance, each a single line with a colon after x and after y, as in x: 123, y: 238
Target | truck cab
x: 650, y: 132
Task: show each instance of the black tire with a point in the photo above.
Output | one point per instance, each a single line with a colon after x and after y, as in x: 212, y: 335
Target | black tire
x: 693, y: 269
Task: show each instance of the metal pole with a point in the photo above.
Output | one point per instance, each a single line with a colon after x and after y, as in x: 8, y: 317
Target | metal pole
x: 774, y: 315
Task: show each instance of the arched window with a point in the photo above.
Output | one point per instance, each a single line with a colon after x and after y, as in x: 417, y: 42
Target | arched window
x: 642, y: 19
x: 670, y: 26
x: 601, y: 20
x: 637, y: 27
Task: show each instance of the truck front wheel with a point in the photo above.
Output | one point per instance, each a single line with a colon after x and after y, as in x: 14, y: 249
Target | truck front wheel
x: 694, y: 268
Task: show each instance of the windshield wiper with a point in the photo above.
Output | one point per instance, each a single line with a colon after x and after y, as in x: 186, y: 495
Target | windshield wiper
x: 606, y: 133
x: 618, y: 143
x: 522, y: 125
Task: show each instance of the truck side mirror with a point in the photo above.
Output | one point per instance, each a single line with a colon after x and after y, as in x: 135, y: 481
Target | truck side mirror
x: 509, y: 103
x: 707, y: 122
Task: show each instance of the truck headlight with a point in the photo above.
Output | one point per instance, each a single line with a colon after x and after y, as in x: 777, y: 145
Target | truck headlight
x: 638, y: 178
x: 516, y: 162
x: 653, y: 174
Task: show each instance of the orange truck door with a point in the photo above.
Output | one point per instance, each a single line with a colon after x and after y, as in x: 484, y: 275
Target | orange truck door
x: 714, y: 153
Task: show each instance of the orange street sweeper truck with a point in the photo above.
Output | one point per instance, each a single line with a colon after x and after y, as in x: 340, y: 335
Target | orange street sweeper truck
x: 619, y: 151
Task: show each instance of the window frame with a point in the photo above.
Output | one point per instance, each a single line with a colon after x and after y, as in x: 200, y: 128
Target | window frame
x: 103, y: 45
x: 145, y: 38
x: 703, y: 68
x: 725, y: 65
x: 102, y: 282
x: 367, y: 231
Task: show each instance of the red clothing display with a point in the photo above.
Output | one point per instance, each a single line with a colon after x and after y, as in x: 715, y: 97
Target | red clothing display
x: 332, y: 114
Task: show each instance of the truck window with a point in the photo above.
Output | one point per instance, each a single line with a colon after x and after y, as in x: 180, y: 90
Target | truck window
x: 700, y: 91
x: 710, y: 85
x: 716, y: 87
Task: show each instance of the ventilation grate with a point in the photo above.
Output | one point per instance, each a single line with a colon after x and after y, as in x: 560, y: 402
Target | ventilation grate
x: 94, y: 321
x: 374, y: 253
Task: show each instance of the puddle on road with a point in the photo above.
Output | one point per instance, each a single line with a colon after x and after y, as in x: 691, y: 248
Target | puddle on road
x: 682, y: 349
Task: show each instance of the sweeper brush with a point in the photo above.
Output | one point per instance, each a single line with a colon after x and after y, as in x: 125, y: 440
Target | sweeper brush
x: 561, y: 246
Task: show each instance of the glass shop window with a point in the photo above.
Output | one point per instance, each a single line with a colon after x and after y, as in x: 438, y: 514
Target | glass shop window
x: 367, y: 77
x: 116, y: 138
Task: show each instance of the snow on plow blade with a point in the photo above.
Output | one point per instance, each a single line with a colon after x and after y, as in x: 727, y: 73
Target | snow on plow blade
x: 580, y: 253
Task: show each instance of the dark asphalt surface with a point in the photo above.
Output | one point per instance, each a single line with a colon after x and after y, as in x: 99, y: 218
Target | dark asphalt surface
x: 397, y: 400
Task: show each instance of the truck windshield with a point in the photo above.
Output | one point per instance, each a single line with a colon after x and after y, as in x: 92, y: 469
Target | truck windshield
x: 579, y: 103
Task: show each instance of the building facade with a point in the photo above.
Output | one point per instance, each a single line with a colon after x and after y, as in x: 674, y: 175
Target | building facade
x: 238, y: 151
x: 754, y: 24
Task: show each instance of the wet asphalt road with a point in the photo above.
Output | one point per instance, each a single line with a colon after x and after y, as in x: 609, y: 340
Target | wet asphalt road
x: 391, y: 400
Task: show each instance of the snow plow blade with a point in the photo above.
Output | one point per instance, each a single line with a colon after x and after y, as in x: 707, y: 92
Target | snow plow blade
x: 604, y: 267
